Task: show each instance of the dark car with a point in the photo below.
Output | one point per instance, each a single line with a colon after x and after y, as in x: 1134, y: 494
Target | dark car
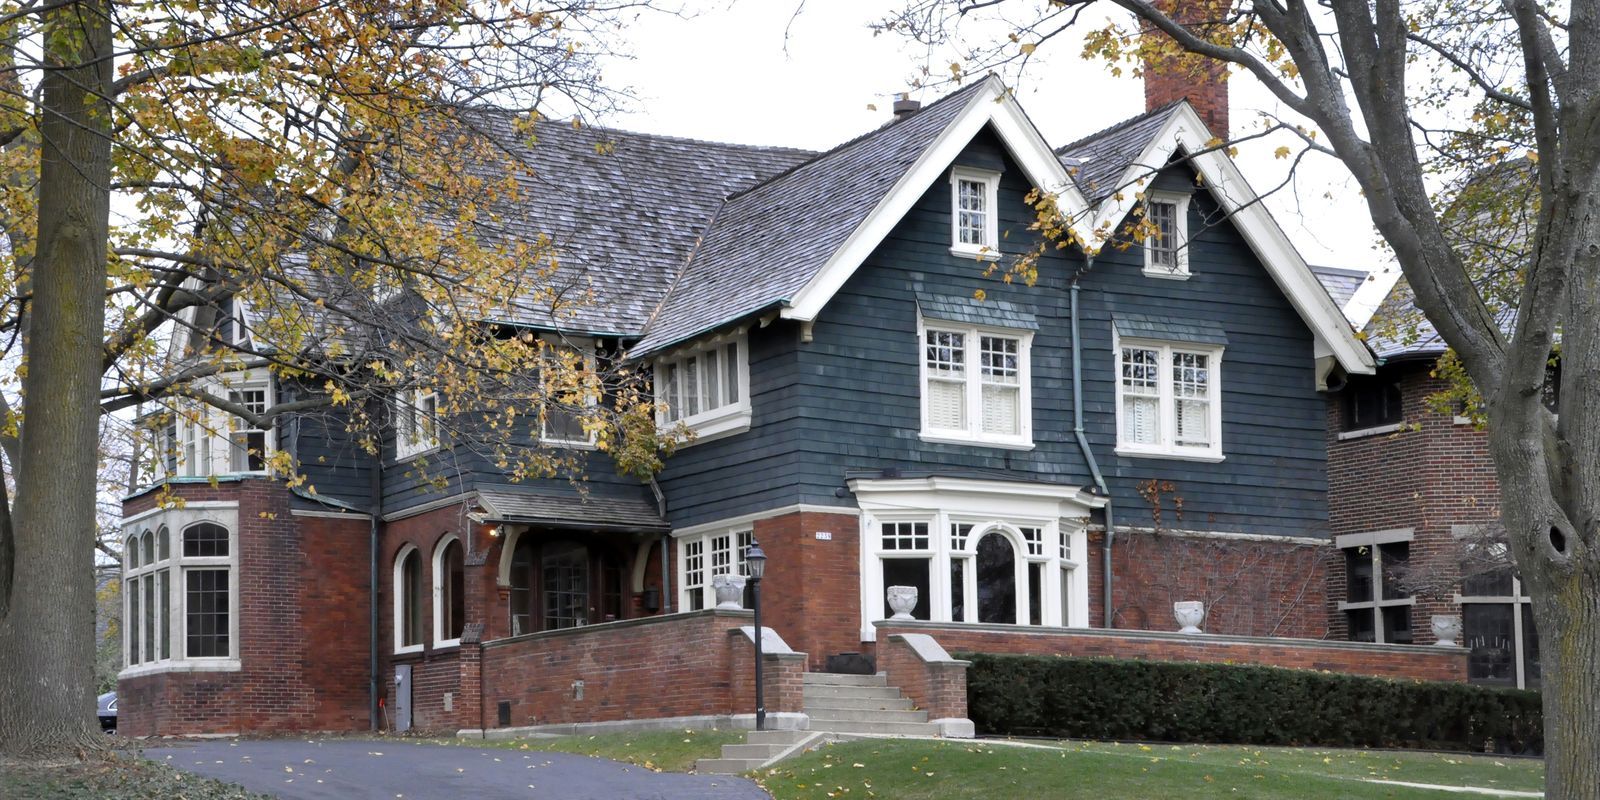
x: 107, y: 711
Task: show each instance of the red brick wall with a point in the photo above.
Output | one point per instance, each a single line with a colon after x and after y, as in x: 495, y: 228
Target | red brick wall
x: 812, y: 592
x: 1389, y: 661
x: 433, y: 675
x: 1250, y: 588
x: 667, y: 666
x: 1429, y: 476
x: 1203, y: 81
x: 302, y: 627
x: 939, y: 689
x: 435, y: 671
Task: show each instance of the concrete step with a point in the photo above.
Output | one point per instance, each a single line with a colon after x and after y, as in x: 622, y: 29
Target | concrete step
x: 880, y: 728
x: 859, y: 703
x: 785, y: 738
x: 760, y: 752
x: 837, y: 679
x: 872, y: 692
x: 820, y: 718
x: 727, y: 766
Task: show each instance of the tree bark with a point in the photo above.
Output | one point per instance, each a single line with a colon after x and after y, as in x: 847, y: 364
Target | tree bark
x: 46, y: 636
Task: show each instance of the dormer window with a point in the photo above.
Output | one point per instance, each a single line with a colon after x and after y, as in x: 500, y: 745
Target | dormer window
x: 1166, y: 242
x: 416, y: 416
x: 706, y: 387
x: 974, y: 210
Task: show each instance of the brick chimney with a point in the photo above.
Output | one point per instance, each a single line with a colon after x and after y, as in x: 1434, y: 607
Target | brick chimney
x: 1169, y: 76
x: 904, y: 106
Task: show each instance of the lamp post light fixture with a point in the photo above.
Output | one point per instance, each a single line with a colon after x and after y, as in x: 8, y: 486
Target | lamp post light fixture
x: 756, y: 560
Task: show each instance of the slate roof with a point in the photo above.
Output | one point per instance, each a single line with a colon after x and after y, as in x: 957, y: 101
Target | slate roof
x: 1096, y: 162
x: 624, y: 210
x: 636, y: 512
x: 1340, y: 282
x: 769, y: 241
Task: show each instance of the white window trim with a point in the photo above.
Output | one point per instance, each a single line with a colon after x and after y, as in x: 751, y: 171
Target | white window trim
x: 438, y: 590
x: 987, y: 505
x: 211, y: 428
x: 974, y: 434
x: 587, y: 347
x: 397, y: 579
x: 1180, y: 237
x: 242, y: 324
x: 727, y: 420
x: 1377, y: 603
x: 736, y: 562
x: 991, y: 181
x: 176, y: 520
x: 409, y: 441
x: 1166, y: 447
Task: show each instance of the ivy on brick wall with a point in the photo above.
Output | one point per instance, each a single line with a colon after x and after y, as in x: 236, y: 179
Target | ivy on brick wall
x: 1098, y: 698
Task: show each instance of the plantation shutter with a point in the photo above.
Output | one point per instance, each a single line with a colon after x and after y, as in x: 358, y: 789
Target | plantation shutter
x: 1191, y: 389
x: 1141, y: 396
x: 947, y: 384
x: 1002, y: 391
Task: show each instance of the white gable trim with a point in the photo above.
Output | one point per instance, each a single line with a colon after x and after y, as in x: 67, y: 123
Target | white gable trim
x: 1334, y: 335
x: 992, y: 104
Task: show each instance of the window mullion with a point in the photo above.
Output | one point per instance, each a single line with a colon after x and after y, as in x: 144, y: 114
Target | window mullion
x: 1169, y: 406
x: 974, y: 365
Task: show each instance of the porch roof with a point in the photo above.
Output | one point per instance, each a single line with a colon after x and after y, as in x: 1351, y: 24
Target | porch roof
x: 595, y: 510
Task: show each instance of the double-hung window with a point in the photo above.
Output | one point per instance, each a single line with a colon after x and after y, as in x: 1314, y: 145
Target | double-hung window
x: 974, y: 218
x: 180, y: 589
x: 976, y: 385
x: 416, y: 415
x: 705, y: 387
x: 1166, y: 235
x: 211, y: 441
x: 1169, y: 399
x: 247, y: 442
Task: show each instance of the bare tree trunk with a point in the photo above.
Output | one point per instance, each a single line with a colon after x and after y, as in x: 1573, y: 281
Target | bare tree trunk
x: 47, y: 635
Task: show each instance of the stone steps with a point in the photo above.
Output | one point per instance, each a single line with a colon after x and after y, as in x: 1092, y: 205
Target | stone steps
x: 810, y: 692
x: 879, y: 728
x: 759, y: 748
x: 859, y: 703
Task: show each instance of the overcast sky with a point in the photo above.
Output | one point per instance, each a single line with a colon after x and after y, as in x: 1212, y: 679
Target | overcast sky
x: 726, y: 74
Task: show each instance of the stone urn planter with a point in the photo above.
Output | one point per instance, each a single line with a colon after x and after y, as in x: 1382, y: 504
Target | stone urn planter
x: 1446, y: 630
x: 1190, y: 614
x: 729, y: 590
x: 901, y: 600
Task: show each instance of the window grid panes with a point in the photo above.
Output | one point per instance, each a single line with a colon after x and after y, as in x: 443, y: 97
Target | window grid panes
x: 947, y: 380
x: 1034, y: 539
x: 1191, y: 388
x: 1168, y: 400
x: 207, y: 616
x: 1163, y: 243
x: 565, y: 400
x: 205, y: 540
x: 982, y: 572
x: 905, y: 536
x: 699, y: 383
x: 1377, y: 609
x: 958, y: 536
x: 1141, y: 395
x: 694, y: 574
x: 987, y: 403
x: 247, y: 444
x: 566, y: 590
x: 1002, y: 390
x: 972, y: 214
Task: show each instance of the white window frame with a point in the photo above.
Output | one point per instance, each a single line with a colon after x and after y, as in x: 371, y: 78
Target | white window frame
x: 1180, y: 237
x: 207, y: 431
x: 416, y: 430
x: 239, y: 311
x: 974, y: 433
x: 176, y: 566
x: 1377, y: 603
x: 1166, y: 440
x: 439, y: 599
x: 553, y: 345
x: 989, y: 250
x: 727, y: 419
x: 733, y: 540
x: 397, y: 582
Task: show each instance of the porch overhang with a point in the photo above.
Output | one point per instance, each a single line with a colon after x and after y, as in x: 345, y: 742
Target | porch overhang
x: 593, y: 512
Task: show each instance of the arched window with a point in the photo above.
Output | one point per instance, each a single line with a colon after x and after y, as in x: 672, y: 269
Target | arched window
x: 181, y: 598
x: 408, y: 600
x: 207, y: 586
x: 997, y: 579
x: 449, y: 593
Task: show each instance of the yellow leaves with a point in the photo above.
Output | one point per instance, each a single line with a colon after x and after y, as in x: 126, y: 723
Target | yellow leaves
x: 1027, y: 48
x: 1281, y: 153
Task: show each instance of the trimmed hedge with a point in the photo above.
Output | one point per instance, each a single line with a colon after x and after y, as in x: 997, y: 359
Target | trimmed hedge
x: 1101, y: 698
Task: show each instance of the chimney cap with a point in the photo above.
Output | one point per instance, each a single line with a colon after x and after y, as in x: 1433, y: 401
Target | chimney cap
x: 904, y: 106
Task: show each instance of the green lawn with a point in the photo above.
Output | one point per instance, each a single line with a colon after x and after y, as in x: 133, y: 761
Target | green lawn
x: 123, y: 777
x: 671, y: 751
x: 914, y: 770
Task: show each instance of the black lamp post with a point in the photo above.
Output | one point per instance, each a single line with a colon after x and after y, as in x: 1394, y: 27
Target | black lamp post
x: 756, y: 559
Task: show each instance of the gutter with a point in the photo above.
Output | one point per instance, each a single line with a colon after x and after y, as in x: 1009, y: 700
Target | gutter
x: 1088, y: 454
x: 374, y: 713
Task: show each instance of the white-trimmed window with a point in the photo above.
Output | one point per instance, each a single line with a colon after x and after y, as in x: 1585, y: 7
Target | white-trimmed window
x: 1376, y: 607
x: 449, y: 592
x: 1169, y: 399
x: 706, y: 387
x: 180, y: 589
x: 211, y: 441
x: 408, y: 600
x: 240, y: 322
x: 569, y: 387
x: 248, y: 445
x: 416, y: 428
x: 976, y: 384
x: 974, y: 213
x: 703, y: 556
x: 1166, y: 243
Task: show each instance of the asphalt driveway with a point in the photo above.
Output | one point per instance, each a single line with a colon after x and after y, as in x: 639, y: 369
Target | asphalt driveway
x: 352, y: 769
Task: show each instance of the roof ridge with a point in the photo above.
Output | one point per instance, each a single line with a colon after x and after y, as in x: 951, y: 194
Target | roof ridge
x: 848, y: 143
x: 768, y: 148
x: 1109, y: 129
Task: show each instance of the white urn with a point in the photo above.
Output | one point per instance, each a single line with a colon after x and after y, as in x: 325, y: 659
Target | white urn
x: 901, y: 600
x: 1190, y: 614
x: 1446, y: 630
x: 729, y: 590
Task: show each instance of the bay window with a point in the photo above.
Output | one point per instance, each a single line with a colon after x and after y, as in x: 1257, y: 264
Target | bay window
x: 1169, y: 399
x: 976, y: 385
x: 706, y: 387
x: 180, y: 589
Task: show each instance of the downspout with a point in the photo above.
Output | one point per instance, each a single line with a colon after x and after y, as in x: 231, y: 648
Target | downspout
x: 666, y: 541
x: 1088, y: 455
x: 376, y: 490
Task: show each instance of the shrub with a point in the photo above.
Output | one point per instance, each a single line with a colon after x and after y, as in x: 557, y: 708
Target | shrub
x: 1099, y: 698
